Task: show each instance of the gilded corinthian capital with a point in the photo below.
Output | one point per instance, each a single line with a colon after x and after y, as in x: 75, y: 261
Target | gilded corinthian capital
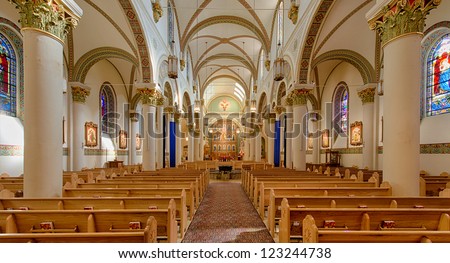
x: 401, y: 17
x: 56, y: 17
x: 151, y: 96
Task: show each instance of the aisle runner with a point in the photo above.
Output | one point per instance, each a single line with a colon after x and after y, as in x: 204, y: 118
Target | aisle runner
x: 226, y: 215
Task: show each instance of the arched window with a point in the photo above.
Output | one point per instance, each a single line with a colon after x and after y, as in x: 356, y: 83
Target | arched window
x: 340, y: 104
x: 438, y: 78
x: 8, y: 78
x: 107, y: 107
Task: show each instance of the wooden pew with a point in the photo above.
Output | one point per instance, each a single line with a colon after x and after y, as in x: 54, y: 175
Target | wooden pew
x: 385, y: 189
x: 355, y: 219
x: 154, y: 185
x: 133, y: 192
x: 312, y: 234
x: 274, y: 209
x: 104, y: 203
x: 308, y: 184
x: 73, y: 221
x: 148, y: 235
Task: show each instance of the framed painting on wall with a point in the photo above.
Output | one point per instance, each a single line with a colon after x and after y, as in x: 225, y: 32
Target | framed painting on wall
x: 138, y: 142
x: 326, y: 138
x: 356, y: 133
x: 122, y: 139
x: 90, y: 134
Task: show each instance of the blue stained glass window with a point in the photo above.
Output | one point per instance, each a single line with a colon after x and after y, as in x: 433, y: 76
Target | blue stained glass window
x: 438, y: 78
x: 340, y: 108
x: 8, y: 79
x: 107, y: 106
x: 344, y: 111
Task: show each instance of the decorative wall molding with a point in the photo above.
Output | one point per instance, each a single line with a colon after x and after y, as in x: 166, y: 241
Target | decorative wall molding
x: 144, y: 54
x: 11, y: 150
x: 99, y: 152
x: 303, y: 64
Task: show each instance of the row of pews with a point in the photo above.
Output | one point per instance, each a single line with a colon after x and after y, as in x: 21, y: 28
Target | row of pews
x: 107, y: 206
x: 334, y: 207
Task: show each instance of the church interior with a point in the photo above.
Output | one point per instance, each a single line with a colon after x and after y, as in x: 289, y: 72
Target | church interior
x: 243, y: 121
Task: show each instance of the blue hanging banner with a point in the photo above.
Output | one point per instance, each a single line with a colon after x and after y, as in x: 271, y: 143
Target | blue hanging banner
x: 173, y: 146
x: 276, y: 156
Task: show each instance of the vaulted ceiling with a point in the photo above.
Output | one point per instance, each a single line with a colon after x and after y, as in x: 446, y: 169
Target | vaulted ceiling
x: 225, y: 39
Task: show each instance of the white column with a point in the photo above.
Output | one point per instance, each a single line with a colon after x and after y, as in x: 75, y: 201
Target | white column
x: 179, y: 143
x: 298, y: 99
x: 258, y: 146
x: 367, y: 95
x: 159, y: 139
x: 79, y: 95
x: 316, y: 139
x: 134, y: 131
x: 298, y: 142
x: 401, y: 40
x: 150, y: 98
x: 146, y: 166
x: 43, y: 66
x: 152, y: 139
x: 289, y: 124
x: 191, y: 141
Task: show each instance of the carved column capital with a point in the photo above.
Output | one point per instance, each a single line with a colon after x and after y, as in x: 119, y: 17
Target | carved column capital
x: 55, y: 17
x: 80, y: 93
x: 151, y: 96
x: 134, y: 116
x: 298, y: 97
x: 401, y: 17
x: 367, y: 94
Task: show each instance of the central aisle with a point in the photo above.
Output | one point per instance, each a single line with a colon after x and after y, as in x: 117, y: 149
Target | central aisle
x: 226, y: 215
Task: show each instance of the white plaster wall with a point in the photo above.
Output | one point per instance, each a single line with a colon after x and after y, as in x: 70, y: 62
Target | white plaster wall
x: 439, y: 14
x: 435, y: 164
x: 11, y: 134
x: 100, y: 73
x: 350, y: 75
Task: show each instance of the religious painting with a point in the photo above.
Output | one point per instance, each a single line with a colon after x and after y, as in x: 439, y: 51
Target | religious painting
x: 326, y: 138
x: 310, y: 141
x: 90, y: 134
x: 122, y: 139
x: 356, y: 133
x: 138, y: 142
x: 438, y: 75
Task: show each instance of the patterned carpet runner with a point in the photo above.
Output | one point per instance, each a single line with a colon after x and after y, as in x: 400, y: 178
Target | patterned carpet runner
x: 226, y: 215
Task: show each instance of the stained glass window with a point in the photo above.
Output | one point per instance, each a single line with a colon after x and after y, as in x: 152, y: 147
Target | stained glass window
x: 341, y: 103
x: 438, y: 78
x: 107, y: 106
x: 8, y: 71
x: 344, y: 111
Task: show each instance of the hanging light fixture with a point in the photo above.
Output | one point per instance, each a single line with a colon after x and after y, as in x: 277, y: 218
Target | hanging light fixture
x: 278, y: 69
x: 279, y: 64
x: 172, y: 59
x: 197, y: 106
x: 173, y: 67
x: 253, y: 106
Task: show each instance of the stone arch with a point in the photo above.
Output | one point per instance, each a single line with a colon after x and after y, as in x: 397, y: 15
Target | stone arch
x: 364, y: 67
x: 89, y: 59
